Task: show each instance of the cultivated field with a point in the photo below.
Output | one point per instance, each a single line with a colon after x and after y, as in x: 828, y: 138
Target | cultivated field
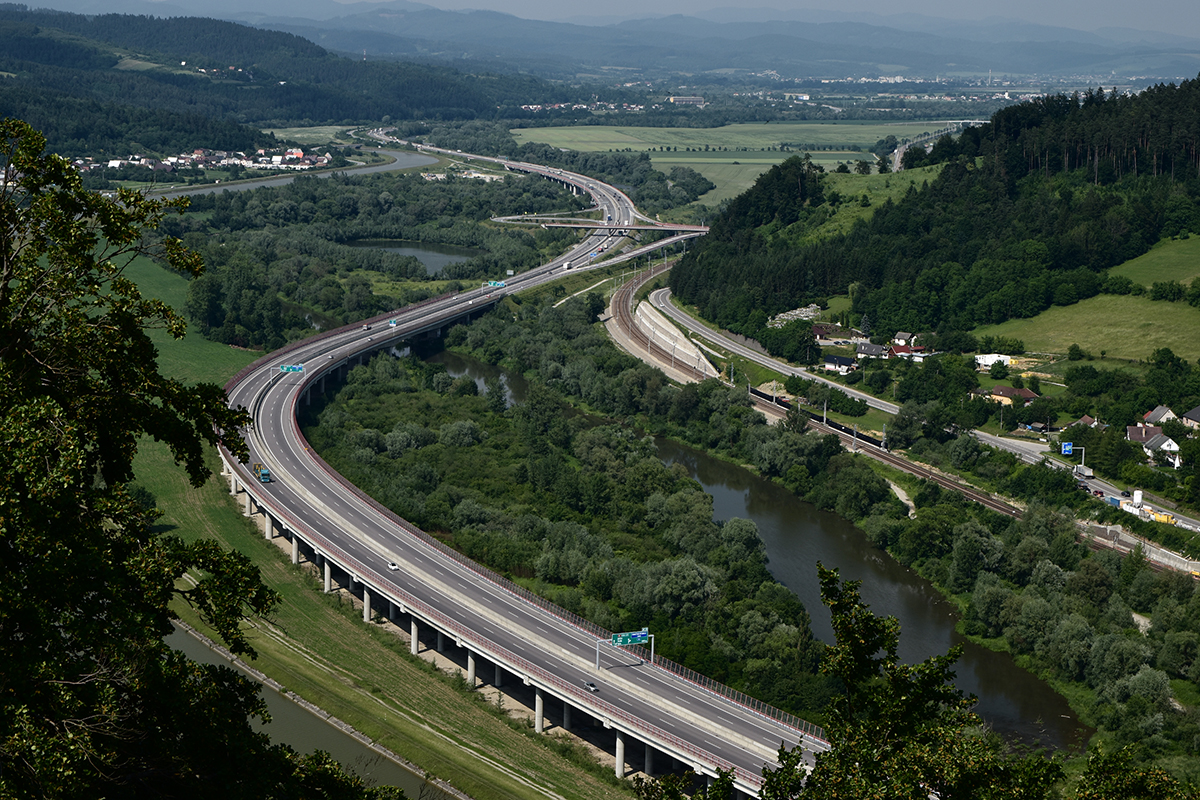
x: 1171, y: 260
x: 1123, y: 326
x: 736, y: 154
x: 747, y: 136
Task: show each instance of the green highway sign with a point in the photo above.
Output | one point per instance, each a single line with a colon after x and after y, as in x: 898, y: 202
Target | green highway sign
x: 291, y: 368
x: 633, y: 637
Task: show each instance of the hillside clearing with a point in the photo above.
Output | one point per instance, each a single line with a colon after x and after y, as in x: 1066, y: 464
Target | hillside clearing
x: 1169, y: 260
x: 1124, y: 326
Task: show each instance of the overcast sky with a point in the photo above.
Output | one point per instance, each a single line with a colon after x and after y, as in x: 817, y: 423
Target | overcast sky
x: 1174, y: 16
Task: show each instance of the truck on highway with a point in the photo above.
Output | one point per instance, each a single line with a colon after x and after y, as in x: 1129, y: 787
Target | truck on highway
x: 1083, y: 472
x: 261, y: 472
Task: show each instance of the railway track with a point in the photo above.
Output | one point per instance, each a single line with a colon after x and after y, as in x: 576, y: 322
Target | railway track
x: 622, y: 304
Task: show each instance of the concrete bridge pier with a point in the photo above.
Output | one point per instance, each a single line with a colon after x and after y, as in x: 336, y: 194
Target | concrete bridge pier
x: 268, y: 526
x: 366, y: 604
x: 414, y: 643
x: 499, y: 677
x: 649, y: 769
x: 619, y: 766
x: 539, y: 710
x: 441, y: 642
x: 295, y: 548
x: 233, y: 483
x: 328, y: 575
x: 247, y: 505
x: 471, y: 670
x: 566, y: 724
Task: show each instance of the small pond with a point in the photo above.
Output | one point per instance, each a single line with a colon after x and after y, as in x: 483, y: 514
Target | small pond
x: 433, y: 256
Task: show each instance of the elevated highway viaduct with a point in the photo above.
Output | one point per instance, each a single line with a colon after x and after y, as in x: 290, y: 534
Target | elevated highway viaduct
x: 674, y: 714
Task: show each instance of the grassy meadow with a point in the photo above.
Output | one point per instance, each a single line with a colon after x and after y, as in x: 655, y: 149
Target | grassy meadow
x: 1169, y: 260
x: 316, y: 644
x: 1125, y: 327
x: 317, y: 135
x: 736, y: 154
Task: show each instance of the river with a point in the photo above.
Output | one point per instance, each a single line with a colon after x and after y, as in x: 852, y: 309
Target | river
x: 1015, y: 702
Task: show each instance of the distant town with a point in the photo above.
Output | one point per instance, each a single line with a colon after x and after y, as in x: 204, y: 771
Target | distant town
x: 291, y: 158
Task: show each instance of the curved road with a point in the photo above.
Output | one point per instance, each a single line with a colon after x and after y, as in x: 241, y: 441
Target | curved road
x: 702, y: 728
x: 1029, y: 452
x: 403, y: 160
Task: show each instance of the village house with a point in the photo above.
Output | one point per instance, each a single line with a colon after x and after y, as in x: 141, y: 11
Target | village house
x: 839, y: 364
x: 1158, y: 415
x: 1192, y: 418
x: 1140, y: 434
x: 868, y: 350
x: 1007, y: 396
x: 913, y: 353
x: 1164, y: 447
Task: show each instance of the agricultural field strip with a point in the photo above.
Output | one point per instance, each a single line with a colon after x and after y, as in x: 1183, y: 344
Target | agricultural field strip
x: 755, y: 136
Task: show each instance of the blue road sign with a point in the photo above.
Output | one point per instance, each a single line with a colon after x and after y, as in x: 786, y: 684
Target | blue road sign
x: 1068, y: 448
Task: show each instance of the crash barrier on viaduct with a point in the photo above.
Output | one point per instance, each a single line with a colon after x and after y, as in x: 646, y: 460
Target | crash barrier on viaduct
x: 280, y: 520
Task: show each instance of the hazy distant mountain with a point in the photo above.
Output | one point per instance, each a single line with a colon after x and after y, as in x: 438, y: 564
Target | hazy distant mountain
x: 814, y: 44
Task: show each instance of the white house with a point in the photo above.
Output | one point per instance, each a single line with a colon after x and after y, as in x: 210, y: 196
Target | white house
x: 986, y: 361
x: 1162, y: 445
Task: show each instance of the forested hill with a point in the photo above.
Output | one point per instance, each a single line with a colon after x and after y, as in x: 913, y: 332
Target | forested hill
x: 264, y: 78
x: 1028, y: 211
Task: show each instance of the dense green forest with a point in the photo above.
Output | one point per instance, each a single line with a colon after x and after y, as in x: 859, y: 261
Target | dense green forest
x: 1026, y: 585
x: 264, y: 78
x: 586, y: 513
x: 77, y: 126
x: 278, y: 255
x: 1028, y: 211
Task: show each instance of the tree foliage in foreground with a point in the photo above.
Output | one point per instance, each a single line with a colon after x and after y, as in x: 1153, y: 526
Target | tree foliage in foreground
x: 903, y: 731
x: 92, y: 701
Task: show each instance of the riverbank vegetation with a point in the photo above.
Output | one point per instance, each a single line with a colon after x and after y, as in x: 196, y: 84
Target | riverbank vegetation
x: 585, y: 514
x: 1025, y: 586
x: 278, y: 255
